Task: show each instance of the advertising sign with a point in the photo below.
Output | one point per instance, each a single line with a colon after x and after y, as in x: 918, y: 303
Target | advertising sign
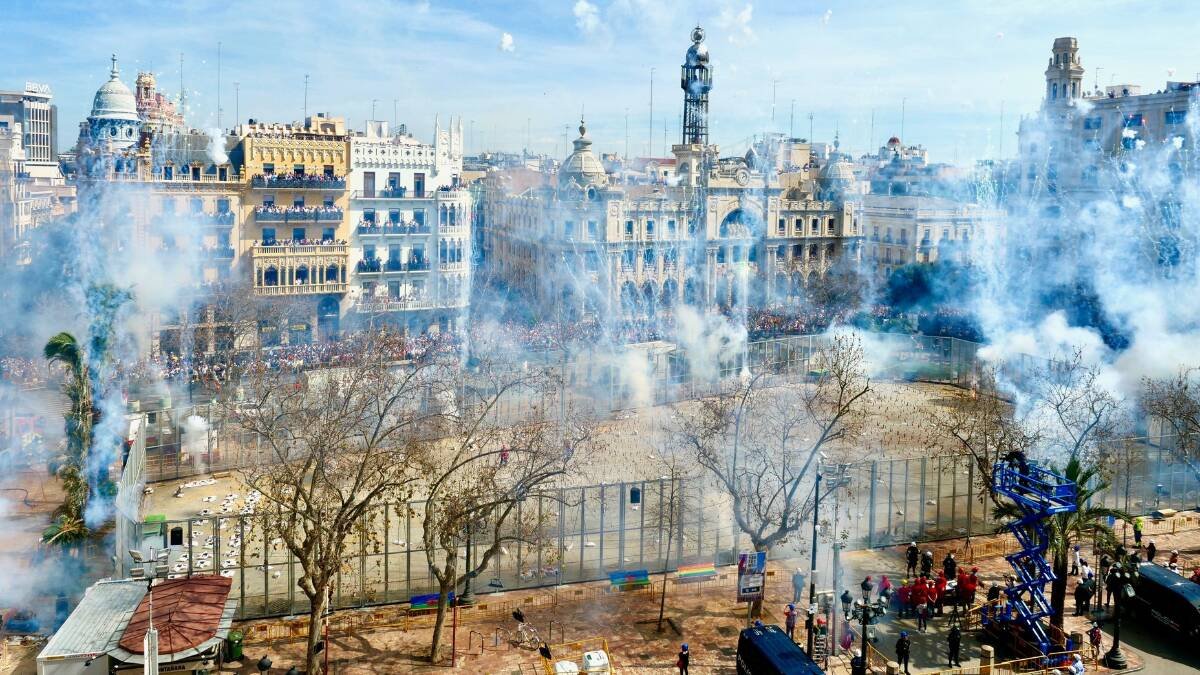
x: 752, y: 571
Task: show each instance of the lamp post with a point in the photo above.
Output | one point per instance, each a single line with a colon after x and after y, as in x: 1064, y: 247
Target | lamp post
x: 810, y: 620
x: 865, y: 611
x: 149, y: 570
x: 1120, y: 579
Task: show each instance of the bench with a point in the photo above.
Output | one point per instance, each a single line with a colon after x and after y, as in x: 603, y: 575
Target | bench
x: 623, y: 580
x: 427, y: 602
x: 695, y: 572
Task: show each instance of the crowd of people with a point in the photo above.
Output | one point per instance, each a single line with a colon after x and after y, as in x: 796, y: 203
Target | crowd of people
x: 22, y: 371
x: 298, y: 242
x: 305, y: 212
x: 298, y: 179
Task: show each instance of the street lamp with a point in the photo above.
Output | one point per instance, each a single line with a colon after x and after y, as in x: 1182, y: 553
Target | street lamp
x: 865, y: 611
x: 1120, y: 578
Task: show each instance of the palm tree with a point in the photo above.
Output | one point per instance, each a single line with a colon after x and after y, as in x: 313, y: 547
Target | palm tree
x: 64, y: 349
x: 1065, y: 529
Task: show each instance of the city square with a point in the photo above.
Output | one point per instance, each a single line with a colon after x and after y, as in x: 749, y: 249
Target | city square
x: 787, y: 368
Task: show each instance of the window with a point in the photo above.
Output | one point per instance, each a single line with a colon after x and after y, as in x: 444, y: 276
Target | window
x: 168, y: 206
x: 327, y: 234
x: 268, y: 236
x: 903, y: 236
x: 627, y: 258
x: 816, y: 225
x: 799, y: 225
x: 829, y: 225
x: 369, y: 252
x: 168, y: 172
x: 298, y: 201
x: 593, y: 231
x: 298, y: 169
x: 394, y: 216
x: 782, y: 227
x: 419, y: 216
x: 268, y: 168
x: 650, y: 229
x: 721, y: 254
x: 691, y: 227
x: 1128, y: 143
x: 671, y: 229
x: 1175, y: 116
x: 369, y: 184
x: 222, y: 206
x: 945, y: 233
x: 1133, y: 120
x: 569, y: 229
x: 1093, y: 122
x: 591, y: 261
x: 393, y: 290
x: 629, y: 229
x: 298, y: 233
x: 328, y: 168
x: 1091, y: 144
x: 648, y: 257
x: 369, y: 216
x: 393, y: 180
x: 268, y: 201
x: 797, y: 251
x: 196, y: 205
x: 1089, y: 175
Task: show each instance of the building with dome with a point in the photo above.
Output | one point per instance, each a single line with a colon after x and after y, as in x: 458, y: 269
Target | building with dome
x: 724, y: 232
x: 114, y: 123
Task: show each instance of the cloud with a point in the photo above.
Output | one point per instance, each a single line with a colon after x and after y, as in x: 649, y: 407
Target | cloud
x: 738, y: 24
x: 826, y: 17
x: 506, y: 43
x: 587, y: 17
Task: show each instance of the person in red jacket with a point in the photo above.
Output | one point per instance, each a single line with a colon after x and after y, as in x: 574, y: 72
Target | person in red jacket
x: 972, y: 586
x: 960, y: 589
x: 939, y: 585
x: 905, y: 595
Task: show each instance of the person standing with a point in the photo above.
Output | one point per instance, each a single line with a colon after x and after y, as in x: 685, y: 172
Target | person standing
x: 1094, y: 638
x: 1089, y: 590
x: 797, y: 585
x: 1151, y: 551
x: 954, y: 642
x: 949, y: 566
x: 682, y: 662
x: 1080, y: 589
x: 927, y: 564
x: 790, y: 621
x: 912, y: 555
x: 1137, y: 532
x: 903, y: 647
x: 1075, y: 562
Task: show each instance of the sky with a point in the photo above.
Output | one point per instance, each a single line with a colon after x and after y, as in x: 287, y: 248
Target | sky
x: 528, y: 70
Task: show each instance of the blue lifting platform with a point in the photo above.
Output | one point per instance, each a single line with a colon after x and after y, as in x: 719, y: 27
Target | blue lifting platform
x: 1039, y: 493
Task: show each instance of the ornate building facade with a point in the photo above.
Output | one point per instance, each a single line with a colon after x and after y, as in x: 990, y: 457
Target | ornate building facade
x: 411, y: 235
x: 728, y: 232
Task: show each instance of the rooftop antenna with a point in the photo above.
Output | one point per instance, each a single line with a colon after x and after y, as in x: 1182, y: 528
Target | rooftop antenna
x: 903, y: 104
x: 305, y: 97
x: 810, y: 129
x: 182, y: 91
x: 774, y: 88
x: 1096, y: 82
x: 218, y: 84
x: 871, y: 141
x: 395, y: 117
x: 626, y: 134
x: 792, y: 121
x: 237, y: 90
x: 373, y: 102
x: 528, y: 135
x: 1000, y: 153
x: 650, y: 152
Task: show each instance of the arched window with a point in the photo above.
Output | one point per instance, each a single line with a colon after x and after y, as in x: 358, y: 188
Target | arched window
x: 271, y: 276
x: 302, y: 274
x: 1054, y: 90
x: 331, y: 274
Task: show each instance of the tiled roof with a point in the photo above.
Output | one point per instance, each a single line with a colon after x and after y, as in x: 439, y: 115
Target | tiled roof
x: 92, y: 627
x: 187, y: 613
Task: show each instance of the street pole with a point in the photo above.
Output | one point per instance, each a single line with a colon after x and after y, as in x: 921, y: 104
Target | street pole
x: 1118, y: 578
x: 812, y: 584
x: 836, y: 572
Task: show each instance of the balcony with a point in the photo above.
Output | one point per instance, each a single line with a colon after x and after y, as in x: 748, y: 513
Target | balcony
x: 377, y: 266
x: 385, y: 193
x: 300, y: 268
x: 402, y: 305
x: 219, y: 253
x: 452, y: 266
x: 298, y: 214
x: 293, y: 181
x: 220, y: 219
x: 370, y: 229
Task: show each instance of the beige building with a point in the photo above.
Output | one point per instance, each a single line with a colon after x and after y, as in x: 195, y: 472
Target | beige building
x: 293, y: 218
x: 723, y: 233
x: 902, y: 230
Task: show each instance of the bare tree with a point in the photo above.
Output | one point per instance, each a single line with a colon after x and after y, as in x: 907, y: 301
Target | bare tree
x: 982, y: 424
x: 1078, y: 409
x: 486, y: 467
x: 760, y: 444
x: 338, y: 441
x: 673, y: 469
x: 1175, y: 401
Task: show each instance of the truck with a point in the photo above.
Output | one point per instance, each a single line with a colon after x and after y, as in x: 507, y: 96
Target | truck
x: 1168, y: 598
x: 767, y: 650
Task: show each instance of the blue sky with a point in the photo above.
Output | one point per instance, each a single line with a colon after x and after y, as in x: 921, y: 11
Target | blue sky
x: 953, y: 63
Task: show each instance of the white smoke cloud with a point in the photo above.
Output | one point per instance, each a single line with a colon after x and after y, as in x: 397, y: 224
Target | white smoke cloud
x: 506, y: 43
x: 826, y: 17
x: 737, y: 24
x: 587, y: 16
x: 216, y: 146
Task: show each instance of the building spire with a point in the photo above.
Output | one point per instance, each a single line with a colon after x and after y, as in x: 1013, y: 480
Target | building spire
x: 114, y: 73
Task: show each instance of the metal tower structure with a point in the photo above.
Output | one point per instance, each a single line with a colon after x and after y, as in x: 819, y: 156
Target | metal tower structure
x: 1039, y: 493
x: 696, y: 81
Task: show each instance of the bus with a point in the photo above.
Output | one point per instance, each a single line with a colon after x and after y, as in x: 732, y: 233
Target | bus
x: 767, y: 650
x: 1169, y: 598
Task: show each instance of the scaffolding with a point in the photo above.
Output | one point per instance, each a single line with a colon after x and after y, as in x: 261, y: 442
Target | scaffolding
x: 1039, y: 493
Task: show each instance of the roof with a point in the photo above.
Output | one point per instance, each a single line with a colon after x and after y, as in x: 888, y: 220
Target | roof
x: 187, y: 613
x: 582, y: 166
x: 93, y: 627
x: 114, y: 100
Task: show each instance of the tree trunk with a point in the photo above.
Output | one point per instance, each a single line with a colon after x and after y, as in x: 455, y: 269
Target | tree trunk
x: 440, y: 621
x: 1058, y: 589
x: 314, y: 663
